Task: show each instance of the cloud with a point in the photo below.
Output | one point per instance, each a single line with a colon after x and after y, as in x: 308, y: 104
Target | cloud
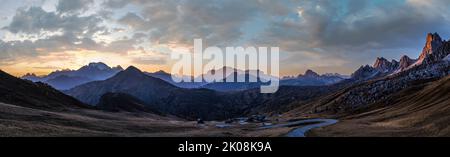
x: 73, y: 6
x: 54, y: 32
x: 176, y: 21
x: 35, y: 20
x: 150, y: 61
x: 47, y: 67
x: 115, y: 4
x: 357, y: 31
x: 134, y: 21
x: 11, y: 50
x: 357, y: 23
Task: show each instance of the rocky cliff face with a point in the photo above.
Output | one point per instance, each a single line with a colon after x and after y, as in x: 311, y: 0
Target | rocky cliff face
x: 383, y: 65
x: 405, y: 62
x: 365, y: 72
x: 440, y: 53
x: 433, y: 42
x: 366, y: 93
x: 435, y: 50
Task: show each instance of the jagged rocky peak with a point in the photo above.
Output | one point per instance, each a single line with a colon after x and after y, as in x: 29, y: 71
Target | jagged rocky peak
x: 394, y: 62
x: 433, y: 42
x: 101, y: 66
x: 433, y: 39
x: 310, y: 73
x: 405, y: 62
x: 64, y: 70
x: 383, y: 65
x: 363, y: 72
x: 32, y: 77
x: 29, y: 75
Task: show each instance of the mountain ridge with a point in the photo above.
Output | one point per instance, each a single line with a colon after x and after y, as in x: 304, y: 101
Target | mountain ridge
x: 34, y: 95
x: 374, y: 85
x: 66, y: 79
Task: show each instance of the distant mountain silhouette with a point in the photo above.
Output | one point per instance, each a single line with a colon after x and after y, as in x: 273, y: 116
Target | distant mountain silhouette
x: 64, y: 82
x: 311, y: 78
x: 168, y: 78
x: 228, y: 73
x: 239, y: 81
x: 156, y: 93
x: 34, y: 95
x: 131, y: 80
x: 66, y: 79
x: 33, y: 77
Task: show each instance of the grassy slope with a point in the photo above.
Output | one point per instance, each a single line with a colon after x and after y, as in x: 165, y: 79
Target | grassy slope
x: 422, y: 110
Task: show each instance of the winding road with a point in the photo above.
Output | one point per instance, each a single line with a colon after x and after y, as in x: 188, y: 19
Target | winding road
x: 300, y: 132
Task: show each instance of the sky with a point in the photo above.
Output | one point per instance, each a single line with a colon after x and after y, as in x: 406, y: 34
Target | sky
x: 327, y: 36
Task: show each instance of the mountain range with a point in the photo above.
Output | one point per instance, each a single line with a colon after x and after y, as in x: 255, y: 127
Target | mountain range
x: 311, y: 78
x: 388, y: 78
x: 155, y: 93
x: 67, y: 79
x: 435, y: 50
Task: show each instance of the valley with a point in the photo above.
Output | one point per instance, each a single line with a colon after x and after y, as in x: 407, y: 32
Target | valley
x: 25, y: 122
